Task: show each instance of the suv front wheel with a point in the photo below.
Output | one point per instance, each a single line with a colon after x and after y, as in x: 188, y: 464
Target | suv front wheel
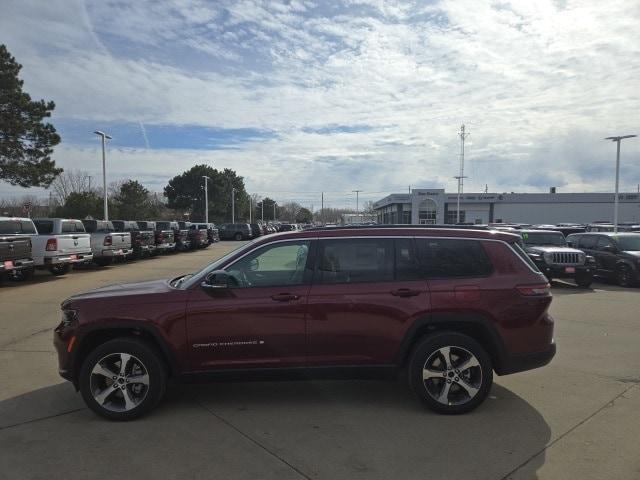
x: 122, y: 379
x: 450, y: 372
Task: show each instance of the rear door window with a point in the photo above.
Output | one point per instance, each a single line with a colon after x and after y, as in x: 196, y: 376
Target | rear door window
x: 355, y: 260
x: 44, y: 227
x: 445, y: 258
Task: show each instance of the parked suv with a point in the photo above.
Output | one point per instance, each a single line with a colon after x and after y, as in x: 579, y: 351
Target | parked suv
x: 235, y: 231
x: 449, y: 307
x: 549, y: 251
x: 617, y: 256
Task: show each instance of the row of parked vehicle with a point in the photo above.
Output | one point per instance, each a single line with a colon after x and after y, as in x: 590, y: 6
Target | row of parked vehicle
x: 582, y: 252
x: 248, y: 231
x: 57, y: 244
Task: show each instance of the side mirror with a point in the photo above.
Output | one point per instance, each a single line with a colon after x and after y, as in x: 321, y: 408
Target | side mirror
x: 216, y: 280
x: 254, y: 265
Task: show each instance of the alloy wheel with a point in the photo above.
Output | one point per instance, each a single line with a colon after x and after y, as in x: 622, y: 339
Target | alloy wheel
x: 119, y: 382
x: 452, y: 375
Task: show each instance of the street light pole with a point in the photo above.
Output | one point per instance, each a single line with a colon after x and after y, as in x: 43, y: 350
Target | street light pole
x: 206, y: 199
x: 616, y: 197
x: 274, y: 211
x: 262, y: 209
x: 250, y: 210
x: 233, y: 205
x: 104, y: 136
x: 357, y: 203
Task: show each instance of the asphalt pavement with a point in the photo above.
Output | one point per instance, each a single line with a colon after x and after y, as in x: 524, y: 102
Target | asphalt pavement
x: 577, y: 418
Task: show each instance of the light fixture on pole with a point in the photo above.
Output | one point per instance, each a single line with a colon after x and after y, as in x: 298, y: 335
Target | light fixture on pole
x: 206, y: 198
x: 615, y: 201
x: 104, y: 137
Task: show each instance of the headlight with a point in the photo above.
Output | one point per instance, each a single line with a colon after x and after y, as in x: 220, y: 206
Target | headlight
x: 69, y: 317
x: 548, y: 257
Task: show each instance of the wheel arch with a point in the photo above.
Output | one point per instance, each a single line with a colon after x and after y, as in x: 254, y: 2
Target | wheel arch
x: 473, y: 324
x: 100, y: 334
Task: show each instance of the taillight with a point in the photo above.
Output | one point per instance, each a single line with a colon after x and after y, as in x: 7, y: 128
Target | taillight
x: 52, y: 245
x: 107, y: 241
x: 540, y: 289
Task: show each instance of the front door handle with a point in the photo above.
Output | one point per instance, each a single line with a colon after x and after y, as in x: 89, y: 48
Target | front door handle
x: 405, y: 292
x: 284, y: 297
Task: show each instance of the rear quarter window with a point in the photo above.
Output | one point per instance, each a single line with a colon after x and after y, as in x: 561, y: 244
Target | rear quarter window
x: 446, y: 258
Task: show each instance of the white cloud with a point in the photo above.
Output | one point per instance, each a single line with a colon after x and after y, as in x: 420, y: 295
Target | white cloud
x: 539, y: 85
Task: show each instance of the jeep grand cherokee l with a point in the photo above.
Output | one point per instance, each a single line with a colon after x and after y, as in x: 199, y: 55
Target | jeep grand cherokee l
x: 449, y: 307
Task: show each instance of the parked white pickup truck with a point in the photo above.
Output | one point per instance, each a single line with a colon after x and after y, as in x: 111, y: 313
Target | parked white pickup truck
x: 107, y: 245
x: 60, y: 243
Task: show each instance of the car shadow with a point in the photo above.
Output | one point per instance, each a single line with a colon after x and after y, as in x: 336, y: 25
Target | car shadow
x: 328, y: 429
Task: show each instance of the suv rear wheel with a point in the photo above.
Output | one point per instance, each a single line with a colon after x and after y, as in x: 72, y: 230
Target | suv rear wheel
x: 238, y: 236
x: 450, y: 372
x: 122, y: 379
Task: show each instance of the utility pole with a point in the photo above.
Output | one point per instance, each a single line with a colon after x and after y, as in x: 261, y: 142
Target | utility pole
x: 262, y: 209
x: 322, y: 208
x: 206, y: 199
x: 615, y: 200
x: 89, y: 176
x: 274, y: 210
x: 250, y: 209
x: 357, y: 200
x: 461, y: 177
x: 104, y: 137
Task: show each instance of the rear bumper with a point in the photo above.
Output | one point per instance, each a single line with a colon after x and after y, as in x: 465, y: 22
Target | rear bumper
x: 15, y: 265
x: 62, y: 259
x: 114, y: 253
x: 529, y: 361
x: 166, y: 246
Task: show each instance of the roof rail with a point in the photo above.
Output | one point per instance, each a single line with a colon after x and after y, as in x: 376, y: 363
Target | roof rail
x: 402, y: 225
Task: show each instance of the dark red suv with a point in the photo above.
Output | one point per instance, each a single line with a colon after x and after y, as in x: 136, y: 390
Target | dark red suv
x: 446, y: 306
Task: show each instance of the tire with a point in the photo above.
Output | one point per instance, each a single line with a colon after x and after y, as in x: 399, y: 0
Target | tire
x: 25, y: 274
x: 463, y: 394
x: 584, y: 280
x: 624, y: 276
x: 238, y: 236
x: 61, y: 269
x: 97, y: 383
x: 103, y: 262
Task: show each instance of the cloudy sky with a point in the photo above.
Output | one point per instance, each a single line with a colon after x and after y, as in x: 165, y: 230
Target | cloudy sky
x: 304, y: 96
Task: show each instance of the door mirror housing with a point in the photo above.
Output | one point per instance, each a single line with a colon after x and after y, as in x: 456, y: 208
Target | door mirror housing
x: 216, y: 280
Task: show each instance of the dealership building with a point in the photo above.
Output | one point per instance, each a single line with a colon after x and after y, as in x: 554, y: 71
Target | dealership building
x: 435, y: 206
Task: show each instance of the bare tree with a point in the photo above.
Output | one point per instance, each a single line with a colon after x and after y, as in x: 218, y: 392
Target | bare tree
x: 68, y: 182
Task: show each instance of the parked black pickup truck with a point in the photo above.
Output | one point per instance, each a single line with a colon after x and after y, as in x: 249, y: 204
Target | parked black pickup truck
x: 15, y: 247
x: 143, y: 242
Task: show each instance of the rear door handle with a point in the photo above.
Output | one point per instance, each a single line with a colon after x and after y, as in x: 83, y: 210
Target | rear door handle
x: 284, y: 297
x: 405, y: 292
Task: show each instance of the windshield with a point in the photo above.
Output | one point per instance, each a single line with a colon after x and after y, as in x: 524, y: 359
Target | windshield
x: 629, y: 244
x: 544, y: 238
x: 215, y: 265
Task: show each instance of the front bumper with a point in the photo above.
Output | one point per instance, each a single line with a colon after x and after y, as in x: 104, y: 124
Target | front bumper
x: 15, y: 265
x: 566, y: 271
